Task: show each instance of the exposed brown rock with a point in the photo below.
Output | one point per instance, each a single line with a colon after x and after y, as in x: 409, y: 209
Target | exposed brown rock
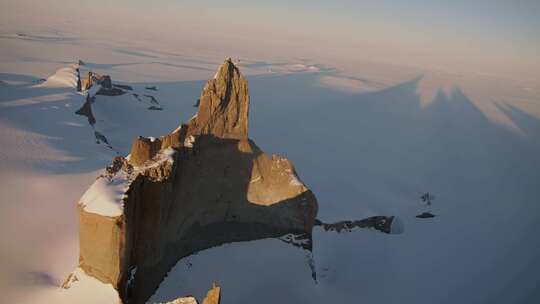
x: 101, y: 245
x: 203, y: 185
x: 213, y: 295
x: 143, y: 149
x: 172, y: 140
x: 224, y: 105
x: 183, y: 300
x: 72, y: 278
x: 95, y: 78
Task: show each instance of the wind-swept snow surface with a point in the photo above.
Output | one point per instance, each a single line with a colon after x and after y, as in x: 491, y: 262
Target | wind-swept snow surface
x: 63, y: 77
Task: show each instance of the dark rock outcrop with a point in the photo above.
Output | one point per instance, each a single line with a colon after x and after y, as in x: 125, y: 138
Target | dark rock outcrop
x: 114, y: 91
x: 381, y: 223
x: 203, y: 185
x: 95, y: 78
x: 424, y: 215
x: 104, y: 81
x: 86, y: 110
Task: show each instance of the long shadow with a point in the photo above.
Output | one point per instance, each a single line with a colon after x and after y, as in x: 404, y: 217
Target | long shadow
x: 379, y: 150
x: 371, y: 136
x: 206, y: 203
x: 212, y: 200
x: 527, y: 123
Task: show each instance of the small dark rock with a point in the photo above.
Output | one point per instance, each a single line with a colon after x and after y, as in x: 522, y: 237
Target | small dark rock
x: 110, y: 92
x: 153, y: 100
x: 101, y: 138
x: 136, y: 96
x: 154, y: 108
x: 425, y: 215
x: 104, y: 81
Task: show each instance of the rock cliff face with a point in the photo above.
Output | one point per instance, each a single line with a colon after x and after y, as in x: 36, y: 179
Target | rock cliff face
x: 203, y: 185
x: 223, y: 106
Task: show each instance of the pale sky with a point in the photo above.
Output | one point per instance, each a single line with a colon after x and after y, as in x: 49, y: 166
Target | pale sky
x: 493, y: 36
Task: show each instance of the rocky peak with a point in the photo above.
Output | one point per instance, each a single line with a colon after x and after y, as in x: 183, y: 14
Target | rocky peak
x: 203, y: 185
x: 224, y: 105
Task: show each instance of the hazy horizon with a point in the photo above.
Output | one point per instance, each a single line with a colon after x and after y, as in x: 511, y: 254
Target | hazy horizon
x: 499, y: 38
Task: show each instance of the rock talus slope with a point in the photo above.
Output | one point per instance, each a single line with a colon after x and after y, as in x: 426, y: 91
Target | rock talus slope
x: 203, y: 185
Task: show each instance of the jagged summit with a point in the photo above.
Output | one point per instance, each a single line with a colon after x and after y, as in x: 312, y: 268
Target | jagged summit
x: 224, y: 105
x: 223, y: 113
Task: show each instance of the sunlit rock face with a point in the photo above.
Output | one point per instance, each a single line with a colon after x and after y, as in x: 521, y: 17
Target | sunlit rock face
x: 203, y: 185
x: 224, y: 105
x: 96, y: 79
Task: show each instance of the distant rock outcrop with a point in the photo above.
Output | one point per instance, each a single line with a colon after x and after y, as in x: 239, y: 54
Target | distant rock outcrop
x: 104, y: 82
x: 424, y: 215
x: 96, y: 79
x: 203, y: 185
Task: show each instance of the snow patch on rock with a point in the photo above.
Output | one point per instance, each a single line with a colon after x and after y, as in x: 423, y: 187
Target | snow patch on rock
x: 106, y: 197
x: 107, y: 194
x: 190, y: 140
